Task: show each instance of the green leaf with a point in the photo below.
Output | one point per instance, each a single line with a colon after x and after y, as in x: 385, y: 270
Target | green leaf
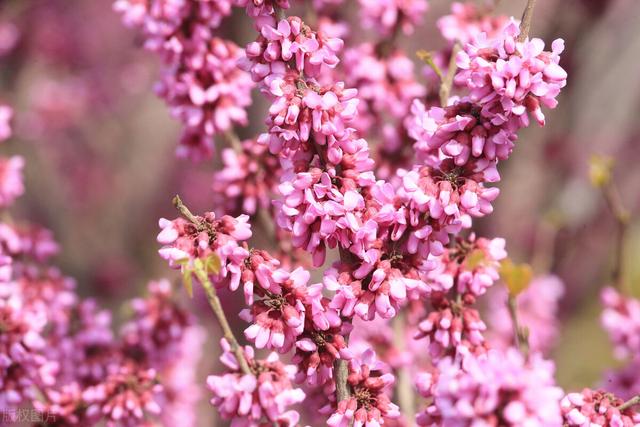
x: 187, y: 281
x: 600, y: 170
x: 516, y: 277
x: 212, y: 264
x: 475, y: 259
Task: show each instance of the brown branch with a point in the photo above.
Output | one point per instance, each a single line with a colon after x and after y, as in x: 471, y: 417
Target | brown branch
x: 341, y: 372
x: 525, y: 23
x: 629, y: 403
x: 447, y: 82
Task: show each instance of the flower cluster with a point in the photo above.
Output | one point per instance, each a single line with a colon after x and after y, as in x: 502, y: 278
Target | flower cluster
x: 510, y: 78
x: 389, y: 16
x: 247, y: 180
x: 370, y: 403
x: 594, y: 407
x: 499, y: 389
x: 201, y: 82
x: 288, y: 313
x: 398, y: 239
x: 185, y: 241
x: 59, y: 355
x: 208, y: 93
x: 621, y: 320
x: 468, y: 21
x: 263, y: 395
x: 452, y: 327
x: 58, y: 352
x: 11, y: 185
x: 471, y: 264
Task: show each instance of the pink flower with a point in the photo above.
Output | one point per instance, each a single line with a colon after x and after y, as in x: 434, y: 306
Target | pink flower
x: 277, y: 316
x: 317, y: 348
x: 290, y: 40
x: 472, y: 263
x: 201, y: 82
x: 460, y: 132
x: 300, y: 112
x: 262, y: 10
x: 247, y: 179
x: 6, y: 114
x: 596, y: 408
x: 450, y: 195
x: 208, y: 94
x: 319, y: 210
x: 155, y: 331
x: 369, y: 405
x: 265, y: 393
x: 124, y: 396
x: 495, y: 389
x: 621, y: 319
x: 467, y: 21
x: 388, y: 16
x: 382, y: 292
x: 452, y: 327
x: 11, y: 179
x: 23, y: 364
x: 184, y: 241
x: 510, y: 78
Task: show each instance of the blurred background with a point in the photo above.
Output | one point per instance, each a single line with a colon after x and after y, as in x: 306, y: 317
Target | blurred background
x: 101, y: 168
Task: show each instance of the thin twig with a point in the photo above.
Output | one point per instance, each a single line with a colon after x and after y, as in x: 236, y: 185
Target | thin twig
x: 266, y: 220
x: 629, y: 403
x: 622, y: 217
x: 520, y: 335
x: 216, y: 306
x: 234, y: 141
x: 427, y: 58
x: 404, y: 389
x: 447, y: 82
x: 525, y: 23
x: 185, y: 212
x: 212, y: 297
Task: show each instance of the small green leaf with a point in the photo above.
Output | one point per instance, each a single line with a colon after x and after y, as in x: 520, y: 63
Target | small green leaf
x: 600, y: 170
x: 212, y: 264
x: 187, y: 280
x: 475, y: 259
x: 516, y: 277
